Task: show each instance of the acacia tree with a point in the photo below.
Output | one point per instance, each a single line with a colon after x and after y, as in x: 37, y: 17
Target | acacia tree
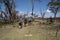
x: 54, y: 6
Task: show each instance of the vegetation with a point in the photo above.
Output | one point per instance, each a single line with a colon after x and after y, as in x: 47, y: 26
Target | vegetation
x: 38, y: 32
x: 9, y: 10
x: 36, y: 29
x: 54, y: 6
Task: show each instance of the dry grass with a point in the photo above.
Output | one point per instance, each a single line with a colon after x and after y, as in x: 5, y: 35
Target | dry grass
x: 38, y: 32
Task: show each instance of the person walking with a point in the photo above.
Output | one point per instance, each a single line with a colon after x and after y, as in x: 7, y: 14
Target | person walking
x: 20, y: 23
x: 25, y: 21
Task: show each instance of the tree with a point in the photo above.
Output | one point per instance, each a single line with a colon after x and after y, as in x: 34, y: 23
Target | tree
x: 13, y: 6
x: 1, y: 9
x: 9, y: 8
x: 7, y: 4
x: 32, y: 1
x: 54, y: 6
x: 42, y: 15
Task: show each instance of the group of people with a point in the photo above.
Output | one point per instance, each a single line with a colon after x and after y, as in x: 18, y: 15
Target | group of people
x: 23, y: 21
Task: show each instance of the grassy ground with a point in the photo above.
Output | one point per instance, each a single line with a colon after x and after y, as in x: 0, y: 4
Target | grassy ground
x: 35, y: 31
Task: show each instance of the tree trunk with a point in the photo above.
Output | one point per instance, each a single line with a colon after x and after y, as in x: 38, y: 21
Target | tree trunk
x: 55, y: 17
x: 7, y: 4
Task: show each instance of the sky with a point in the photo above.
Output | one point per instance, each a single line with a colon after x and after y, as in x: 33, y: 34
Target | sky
x: 25, y: 5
